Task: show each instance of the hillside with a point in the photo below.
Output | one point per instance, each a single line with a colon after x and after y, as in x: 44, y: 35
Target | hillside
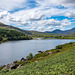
x: 33, y: 33
x: 66, y: 32
x: 61, y: 63
x: 14, y: 28
x: 11, y: 34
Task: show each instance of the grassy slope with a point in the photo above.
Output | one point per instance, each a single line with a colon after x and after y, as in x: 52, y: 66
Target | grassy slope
x: 62, y: 63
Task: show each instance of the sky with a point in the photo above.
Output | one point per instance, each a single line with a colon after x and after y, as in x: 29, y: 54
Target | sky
x: 38, y: 15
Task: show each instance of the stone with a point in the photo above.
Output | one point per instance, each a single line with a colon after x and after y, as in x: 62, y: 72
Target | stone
x: 15, y: 62
x: 10, y: 66
x: 40, y: 51
x: 49, y: 52
x: 19, y: 66
x: 22, y: 60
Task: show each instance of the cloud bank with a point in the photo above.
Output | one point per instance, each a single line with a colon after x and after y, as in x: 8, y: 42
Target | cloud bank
x: 37, y: 14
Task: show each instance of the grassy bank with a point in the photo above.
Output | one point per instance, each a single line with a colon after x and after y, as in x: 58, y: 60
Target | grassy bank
x: 60, y: 62
x: 55, y: 37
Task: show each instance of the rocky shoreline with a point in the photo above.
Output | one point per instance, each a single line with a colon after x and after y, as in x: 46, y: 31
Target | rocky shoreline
x: 14, y: 65
x: 21, y: 63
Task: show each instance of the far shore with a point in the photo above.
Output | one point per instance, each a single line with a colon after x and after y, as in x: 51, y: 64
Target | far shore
x: 38, y: 38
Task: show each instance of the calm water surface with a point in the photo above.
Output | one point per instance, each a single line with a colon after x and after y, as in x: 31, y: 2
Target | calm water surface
x: 15, y: 50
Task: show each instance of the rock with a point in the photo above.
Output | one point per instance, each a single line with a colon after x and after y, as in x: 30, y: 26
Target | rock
x: 49, y: 52
x: 15, y: 62
x: 10, y: 66
x: 14, y: 67
x: 19, y: 66
x: 40, y: 51
x: 22, y: 60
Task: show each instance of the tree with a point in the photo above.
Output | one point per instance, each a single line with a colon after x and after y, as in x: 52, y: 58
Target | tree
x: 1, y: 38
x: 30, y: 56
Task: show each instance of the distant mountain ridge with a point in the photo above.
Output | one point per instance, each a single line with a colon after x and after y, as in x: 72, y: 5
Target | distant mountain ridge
x: 66, y: 32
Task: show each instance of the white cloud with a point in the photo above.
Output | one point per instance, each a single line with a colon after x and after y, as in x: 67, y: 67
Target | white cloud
x: 43, y: 28
x: 50, y: 28
x: 36, y: 17
x: 70, y: 14
x: 65, y: 23
x: 67, y: 3
x: 10, y: 5
x: 49, y: 25
x: 50, y: 22
x: 3, y: 14
x: 46, y: 3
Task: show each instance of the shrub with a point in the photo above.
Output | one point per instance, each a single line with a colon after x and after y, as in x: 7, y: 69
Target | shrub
x: 30, y: 56
x: 40, y: 55
x: 59, y: 47
x: 57, y: 50
x: 70, y: 43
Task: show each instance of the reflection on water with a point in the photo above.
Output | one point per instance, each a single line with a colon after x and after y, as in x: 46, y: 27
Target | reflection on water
x: 15, y: 50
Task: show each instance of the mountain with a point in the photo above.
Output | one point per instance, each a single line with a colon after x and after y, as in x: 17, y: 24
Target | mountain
x: 32, y: 33
x: 36, y: 33
x: 66, y: 32
x: 4, y: 26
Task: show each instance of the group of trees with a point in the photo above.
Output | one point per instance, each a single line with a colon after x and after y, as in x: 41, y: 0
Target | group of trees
x: 6, y: 34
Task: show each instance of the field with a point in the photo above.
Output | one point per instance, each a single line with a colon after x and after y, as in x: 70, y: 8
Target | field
x: 61, y: 63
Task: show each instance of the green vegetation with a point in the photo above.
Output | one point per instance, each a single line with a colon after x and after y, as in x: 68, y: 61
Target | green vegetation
x: 30, y: 56
x: 60, y: 36
x: 6, y: 35
x: 58, y: 63
x: 1, y: 67
x: 23, y: 63
x: 40, y: 55
x: 59, y: 47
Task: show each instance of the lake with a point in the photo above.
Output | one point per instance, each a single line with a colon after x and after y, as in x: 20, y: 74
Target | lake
x: 15, y: 50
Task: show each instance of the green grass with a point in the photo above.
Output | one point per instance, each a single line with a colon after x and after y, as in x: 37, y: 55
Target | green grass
x: 61, y: 63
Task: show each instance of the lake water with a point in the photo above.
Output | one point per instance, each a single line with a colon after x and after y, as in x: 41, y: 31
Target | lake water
x: 15, y: 50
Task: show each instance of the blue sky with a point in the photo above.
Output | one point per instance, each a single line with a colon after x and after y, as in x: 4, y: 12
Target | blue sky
x: 38, y: 15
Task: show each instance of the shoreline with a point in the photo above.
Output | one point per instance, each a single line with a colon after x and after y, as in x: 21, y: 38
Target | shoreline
x: 3, y: 41
x: 36, y: 38
x: 10, y: 40
x: 37, y: 57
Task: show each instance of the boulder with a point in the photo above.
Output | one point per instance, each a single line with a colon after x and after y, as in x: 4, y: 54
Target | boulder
x: 15, y: 62
x: 10, y: 66
x: 49, y: 52
x: 40, y: 51
x: 19, y: 66
x: 22, y: 60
